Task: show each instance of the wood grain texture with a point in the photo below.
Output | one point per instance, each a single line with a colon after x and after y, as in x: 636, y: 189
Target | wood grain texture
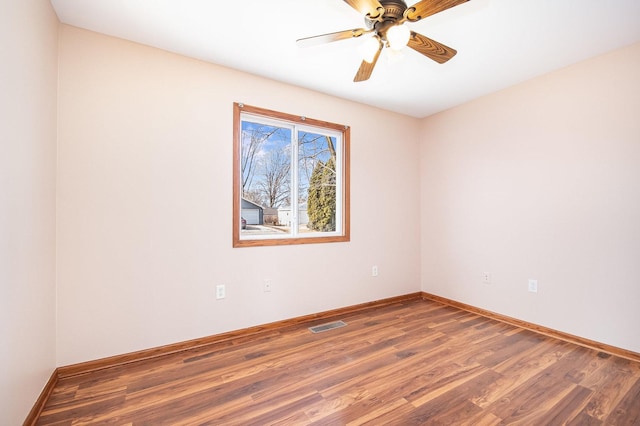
x: 331, y: 37
x: 366, y: 68
x: 44, y: 396
x: 365, y: 6
x: 231, y: 336
x: 431, y: 48
x: 613, y: 350
x: 426, y: 8
x: 410, y: 361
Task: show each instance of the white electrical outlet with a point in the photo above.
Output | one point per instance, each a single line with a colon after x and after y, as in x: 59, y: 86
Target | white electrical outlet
x: 220, y: 291
x: 533, y: 286
x: 374, y: 271
x: 267, y: 285
x: 486, y: 277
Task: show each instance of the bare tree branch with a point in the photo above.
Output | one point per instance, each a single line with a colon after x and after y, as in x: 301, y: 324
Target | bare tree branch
x: 252, y: 142
x: 275, y: 185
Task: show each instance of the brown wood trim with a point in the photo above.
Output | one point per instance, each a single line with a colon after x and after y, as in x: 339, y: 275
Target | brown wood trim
x: 346, y: 177
x: 238, y: 108
x: 38, y: 406
x: 613, y: 350
x: 146, y: 354
x: 292, y: 118
x: 235, y: 228
x: 290, y: 241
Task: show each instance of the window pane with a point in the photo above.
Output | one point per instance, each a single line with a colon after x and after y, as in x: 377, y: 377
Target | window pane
x: 290, y: 179
x: 317, y: 183
x: 265, y: 178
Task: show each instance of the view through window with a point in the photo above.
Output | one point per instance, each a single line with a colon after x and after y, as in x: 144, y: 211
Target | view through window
x: 291, y: 181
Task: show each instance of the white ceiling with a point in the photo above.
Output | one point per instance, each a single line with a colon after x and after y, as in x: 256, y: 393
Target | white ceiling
x: 499, y: 42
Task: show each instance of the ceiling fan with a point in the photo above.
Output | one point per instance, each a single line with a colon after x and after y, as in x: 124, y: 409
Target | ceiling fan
x: 385, y: 19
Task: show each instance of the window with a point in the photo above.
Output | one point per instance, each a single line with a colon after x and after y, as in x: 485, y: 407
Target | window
x: 290, y: 179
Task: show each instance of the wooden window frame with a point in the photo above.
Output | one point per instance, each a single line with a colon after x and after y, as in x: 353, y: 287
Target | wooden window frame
x: 238, y: 109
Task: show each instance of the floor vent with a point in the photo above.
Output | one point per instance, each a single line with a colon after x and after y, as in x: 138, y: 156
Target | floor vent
x: 327, y: 327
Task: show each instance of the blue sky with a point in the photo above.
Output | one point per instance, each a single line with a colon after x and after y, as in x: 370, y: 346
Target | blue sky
x: 313, y: 147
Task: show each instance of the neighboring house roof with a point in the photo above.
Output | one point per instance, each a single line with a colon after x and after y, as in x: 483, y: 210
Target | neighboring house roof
x: 246, y: 204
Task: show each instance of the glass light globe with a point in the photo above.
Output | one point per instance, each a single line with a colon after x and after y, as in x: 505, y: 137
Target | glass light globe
x: 394, y: 56
x: 398, y: 36
x: 370, y: 48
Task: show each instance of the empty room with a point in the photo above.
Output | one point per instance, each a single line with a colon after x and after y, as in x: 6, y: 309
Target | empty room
x: 320, y: 212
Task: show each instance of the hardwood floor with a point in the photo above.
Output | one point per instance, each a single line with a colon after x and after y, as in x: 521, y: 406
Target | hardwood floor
x: 413, y: 362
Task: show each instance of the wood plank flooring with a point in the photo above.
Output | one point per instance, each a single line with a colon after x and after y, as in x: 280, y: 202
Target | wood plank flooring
x: 409, y: 363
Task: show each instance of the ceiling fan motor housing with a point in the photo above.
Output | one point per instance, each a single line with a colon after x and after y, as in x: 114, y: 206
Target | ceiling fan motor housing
x: 385, y: 19
x: 393, y: 13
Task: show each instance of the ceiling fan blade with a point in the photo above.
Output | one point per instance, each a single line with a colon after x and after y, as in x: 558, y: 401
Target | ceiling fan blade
x: 371, y: 7
x: 431, y: 48
x: 425, y: 8
x: 366, y: 68
x: 328, y: 38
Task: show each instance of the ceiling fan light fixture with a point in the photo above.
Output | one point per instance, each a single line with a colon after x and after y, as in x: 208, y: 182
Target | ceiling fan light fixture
x: 398, y: 36
x: 394, y: 56
x: 386, y: 19
x: 370, y: 47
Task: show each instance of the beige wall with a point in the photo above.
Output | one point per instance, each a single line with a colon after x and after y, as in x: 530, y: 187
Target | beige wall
x: 28, y: 74
x: 541, y: 181
x: 537, y: 181
x: 144, y: 203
